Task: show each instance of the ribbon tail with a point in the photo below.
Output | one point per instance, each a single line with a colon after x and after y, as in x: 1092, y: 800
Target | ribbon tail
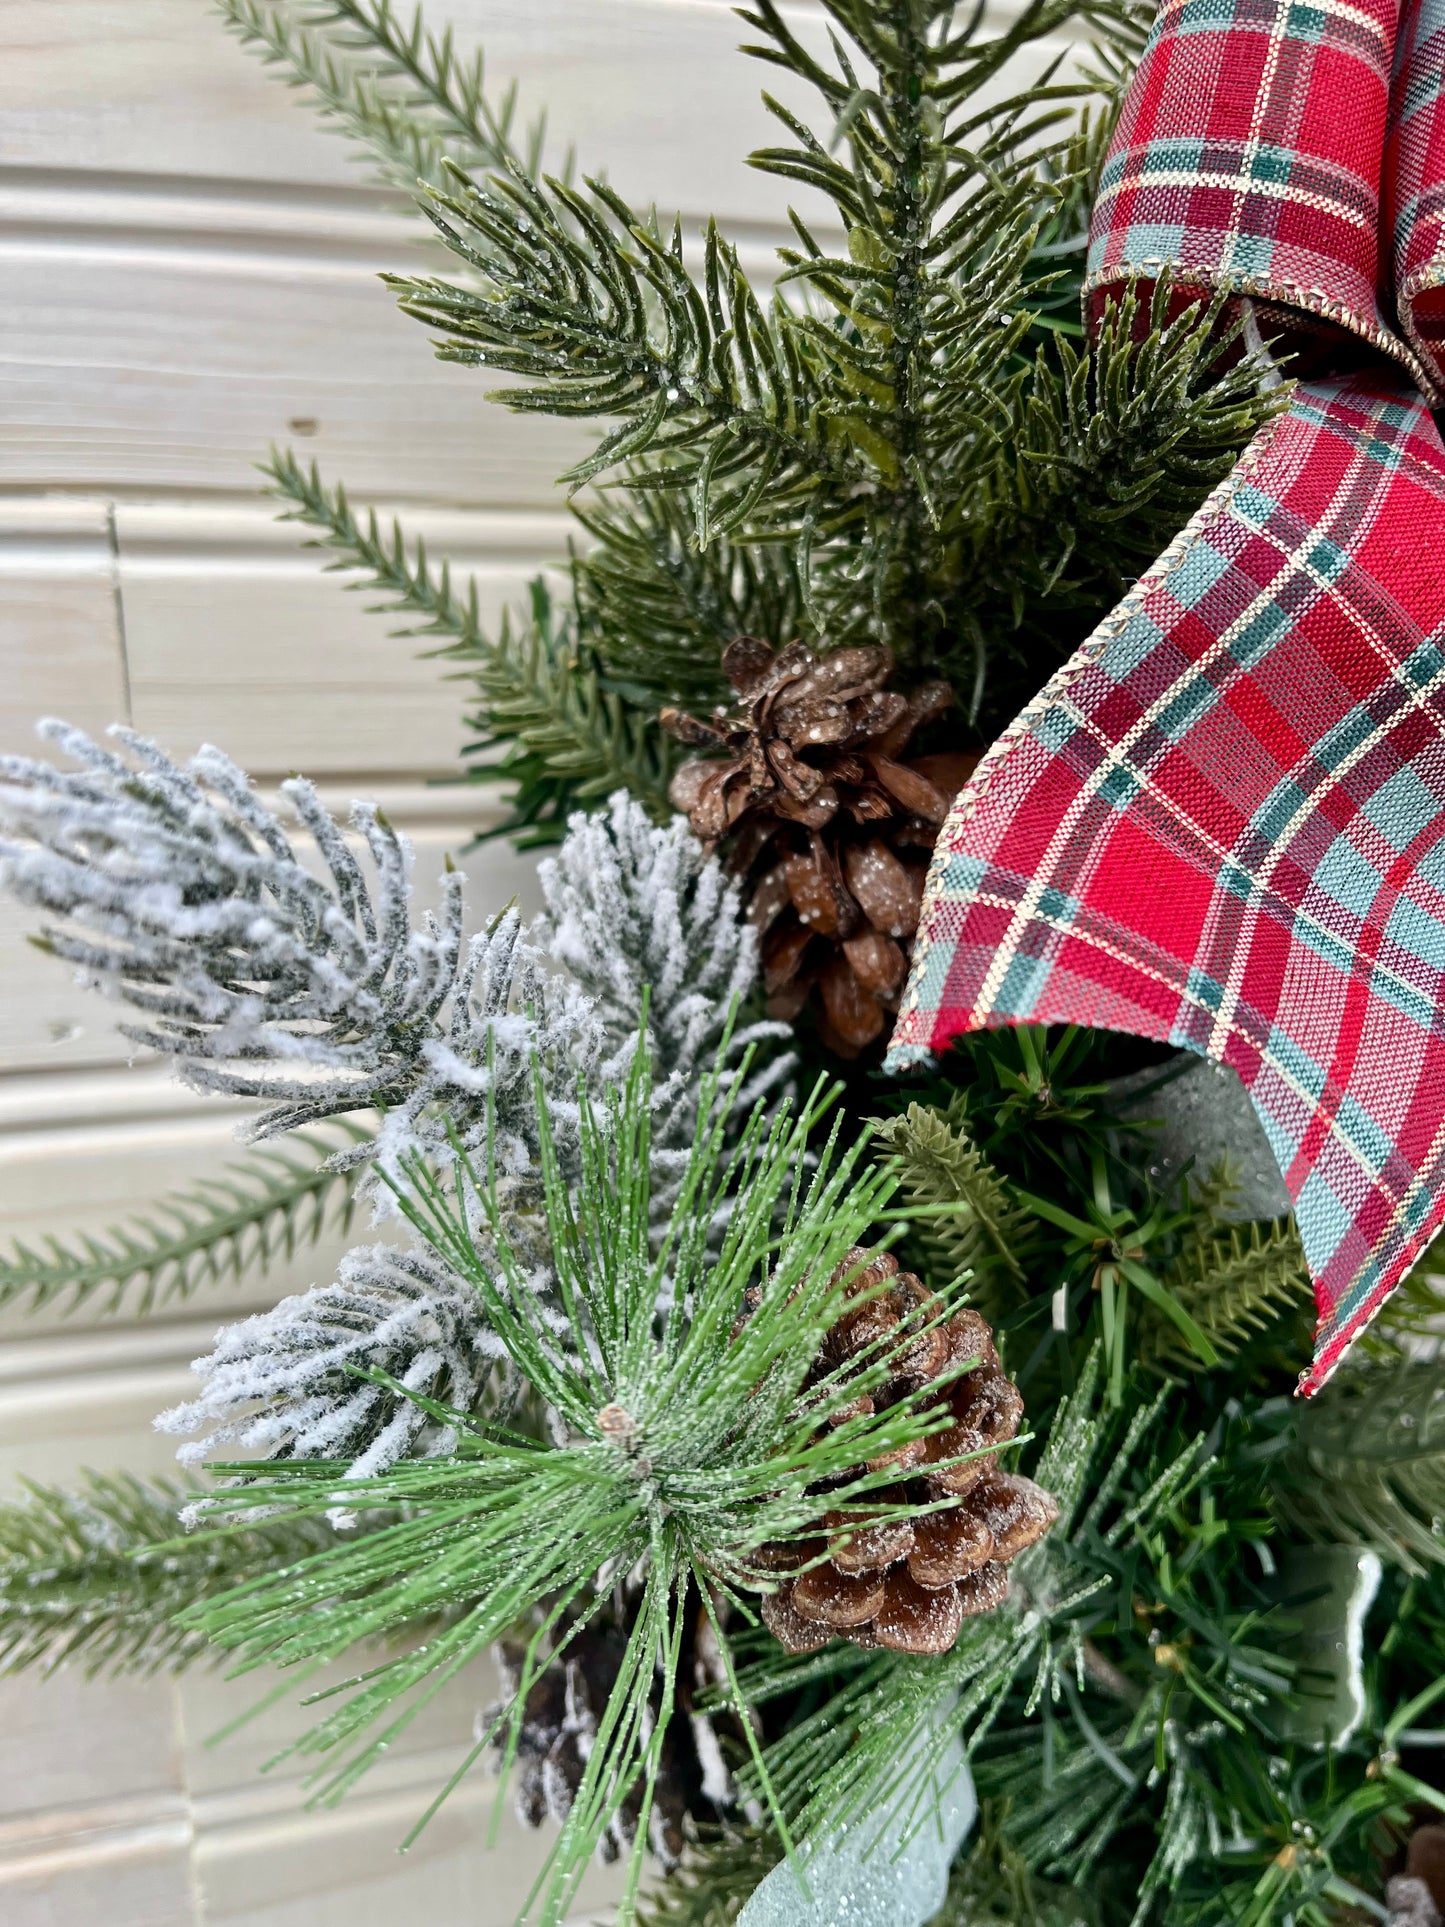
x: 1222, y: 825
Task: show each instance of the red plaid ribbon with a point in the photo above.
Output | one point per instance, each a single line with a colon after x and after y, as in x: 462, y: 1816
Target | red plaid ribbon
x: 1222, y: 824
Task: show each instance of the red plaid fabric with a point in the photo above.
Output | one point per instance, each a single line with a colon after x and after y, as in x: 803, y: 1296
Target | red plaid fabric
x: 1248, y: 157
x: 1415, y: 182
x: 1222, y: 825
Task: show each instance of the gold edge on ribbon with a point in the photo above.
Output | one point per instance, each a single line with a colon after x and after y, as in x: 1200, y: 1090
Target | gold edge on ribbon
x: 1283, y: 293
x: 971, y: 796
x: 1432, y: 275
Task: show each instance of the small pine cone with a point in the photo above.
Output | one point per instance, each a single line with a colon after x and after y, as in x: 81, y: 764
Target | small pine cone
x: 909, y: 1585
x: 1425, y: 1861
x: 560, y: 1718
x: 829, y: 821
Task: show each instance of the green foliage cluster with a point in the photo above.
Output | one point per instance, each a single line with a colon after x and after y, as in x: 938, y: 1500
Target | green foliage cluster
x: 682, y: 1442
x: 1146, y: 1730
x: 93, y: 1578
x: 898, y: 441
x: 1155, y: 1733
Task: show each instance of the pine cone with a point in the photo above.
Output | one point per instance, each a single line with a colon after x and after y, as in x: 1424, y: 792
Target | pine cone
x: 1425, y: 1860
x: 832, y: 827
x: 560, y: 1717
x: 909, y: 1586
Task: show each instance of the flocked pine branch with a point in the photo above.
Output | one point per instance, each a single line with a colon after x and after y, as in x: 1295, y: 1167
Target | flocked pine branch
x: 93, y: 1578
x: 640, y: 923
x: 539, y: 696
x: 251, y: 1215
x: 687, y: 1444
x: 297, y: 1381
x: 181, y: 894
x: 634, y: 915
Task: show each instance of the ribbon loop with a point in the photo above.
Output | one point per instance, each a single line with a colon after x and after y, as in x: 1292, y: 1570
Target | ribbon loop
x: 1248, y: 158
x: 1415, y: 183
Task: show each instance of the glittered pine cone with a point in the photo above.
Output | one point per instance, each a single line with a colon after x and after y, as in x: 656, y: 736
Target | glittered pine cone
x: 909, y: 1585
x: 560, y: 1717
x: 831, y: 822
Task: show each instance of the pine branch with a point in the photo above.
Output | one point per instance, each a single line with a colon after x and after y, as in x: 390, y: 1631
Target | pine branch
x: 94, y: 1577
x: 779, y: 419
x: 1103, y: 457
x: 251, y: 1216
x: 1368, y: 1466
x: 689, y: 1443
x: 566, y: 738
x: 1234, y: 1287
x: 902, y: 430
x: 992, y: 1885
x: 588, y: 301
x: 715, y: 1881
x: 660, y: 609
x: 403, y: 93
x: 942, y: 1166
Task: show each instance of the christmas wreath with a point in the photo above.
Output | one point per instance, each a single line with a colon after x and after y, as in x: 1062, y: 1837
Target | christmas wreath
x: 843, y: 1269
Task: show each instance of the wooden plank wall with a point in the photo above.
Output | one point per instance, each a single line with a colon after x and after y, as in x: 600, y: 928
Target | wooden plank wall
x: 188, y: 273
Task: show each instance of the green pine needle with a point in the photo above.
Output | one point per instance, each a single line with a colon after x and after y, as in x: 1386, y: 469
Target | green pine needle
x: 1235, y: 1286
x: 691, y: 1440
x: 716, y: 1879
x: 94, y: 1578
x: 981, y: 1236
x: 568, y: 739
x: 255, y: 1214
x: 400, y: 91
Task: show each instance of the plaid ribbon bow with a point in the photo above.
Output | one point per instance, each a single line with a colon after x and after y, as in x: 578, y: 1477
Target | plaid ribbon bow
x: 1222, y: 823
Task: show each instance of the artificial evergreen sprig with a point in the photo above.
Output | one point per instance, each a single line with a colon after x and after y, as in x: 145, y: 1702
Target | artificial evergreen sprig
x: 256, y: 1213
x: 1367, y: 1463
x: 773, y: 417
x: 184, y: 896
x: 980, y: 1231
x: 690, y: 1440
x: 93, y: 1578
x: 564, y: 738
x: 403, y: 92
x: 898, y: 444
x: 351, y: 1370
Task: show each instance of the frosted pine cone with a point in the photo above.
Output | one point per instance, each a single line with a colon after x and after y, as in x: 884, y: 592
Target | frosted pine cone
x: 910, y: 1585
x: 829, y: 822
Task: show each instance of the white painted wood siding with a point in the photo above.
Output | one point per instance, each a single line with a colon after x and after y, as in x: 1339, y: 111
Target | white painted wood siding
x: 187, y: 273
